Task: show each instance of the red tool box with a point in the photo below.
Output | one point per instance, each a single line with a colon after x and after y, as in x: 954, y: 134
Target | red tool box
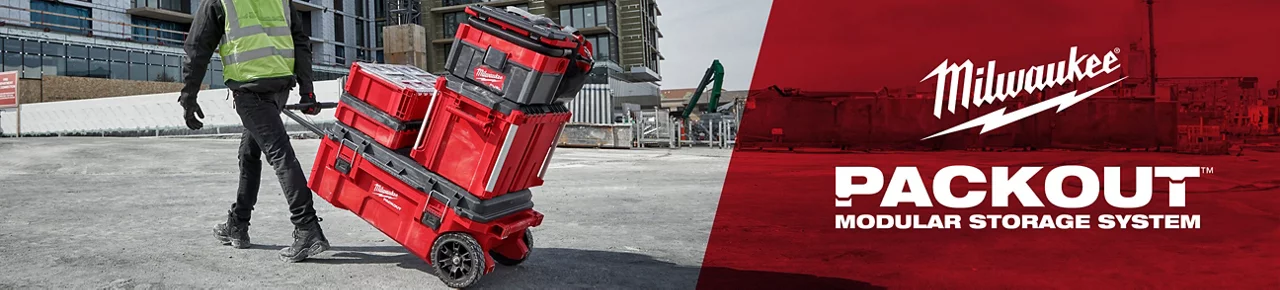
x: 527, y: 61
x: 384, y: 128
x: 488, y: 145
x: 400, y: 90
x: 459, y: 234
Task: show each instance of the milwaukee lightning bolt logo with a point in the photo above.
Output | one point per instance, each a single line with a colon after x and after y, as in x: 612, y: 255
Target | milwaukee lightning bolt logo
x: 387, y: 195
x: 489, y: 78
x: 984, y: 86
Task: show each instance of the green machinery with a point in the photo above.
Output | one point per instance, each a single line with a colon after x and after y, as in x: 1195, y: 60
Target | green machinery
x: 714, y: 73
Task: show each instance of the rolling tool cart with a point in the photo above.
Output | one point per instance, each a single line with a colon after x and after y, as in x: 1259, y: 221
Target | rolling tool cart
x: 459, y: 197
x: 458, y: 234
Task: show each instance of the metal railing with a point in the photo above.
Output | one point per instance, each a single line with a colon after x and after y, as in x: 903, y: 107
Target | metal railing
x: 655, y: 128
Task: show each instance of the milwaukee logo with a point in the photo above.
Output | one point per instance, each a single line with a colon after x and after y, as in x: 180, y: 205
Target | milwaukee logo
x: 984, y: 86
x: 387, y: 195
x: 489, y: 78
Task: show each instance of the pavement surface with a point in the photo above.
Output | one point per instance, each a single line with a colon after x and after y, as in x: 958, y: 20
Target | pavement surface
x: 138, y: 213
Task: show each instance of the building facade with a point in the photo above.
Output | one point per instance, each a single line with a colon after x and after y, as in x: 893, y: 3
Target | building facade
x: 624, y: 33
x: 141, y: 40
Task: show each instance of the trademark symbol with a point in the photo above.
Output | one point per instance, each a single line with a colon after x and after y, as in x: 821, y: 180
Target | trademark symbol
x: 1116, y: 50
x: 1206, y: 170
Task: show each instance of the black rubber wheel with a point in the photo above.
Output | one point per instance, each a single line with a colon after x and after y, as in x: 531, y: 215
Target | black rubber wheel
x: 457, y: 259
x: 528, y: 242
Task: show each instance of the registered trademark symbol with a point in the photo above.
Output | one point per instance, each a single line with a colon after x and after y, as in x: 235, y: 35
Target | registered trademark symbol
x: 1117, y: 50
x: 1206, y: 170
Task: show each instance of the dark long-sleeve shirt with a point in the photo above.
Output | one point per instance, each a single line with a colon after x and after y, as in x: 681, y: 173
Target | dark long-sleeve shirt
x: 202, y: 42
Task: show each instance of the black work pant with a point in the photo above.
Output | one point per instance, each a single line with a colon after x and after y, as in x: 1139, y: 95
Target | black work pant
x: 265, y: 133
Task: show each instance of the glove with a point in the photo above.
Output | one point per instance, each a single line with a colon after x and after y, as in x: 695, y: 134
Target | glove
x: 309, y: 99
x: 190, y: 110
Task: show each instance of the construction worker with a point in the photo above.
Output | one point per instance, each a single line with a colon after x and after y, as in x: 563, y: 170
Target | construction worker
x: 265, y: 52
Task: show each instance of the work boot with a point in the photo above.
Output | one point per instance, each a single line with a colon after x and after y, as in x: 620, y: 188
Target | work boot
x: 233, y: 232
x: 308, y: 241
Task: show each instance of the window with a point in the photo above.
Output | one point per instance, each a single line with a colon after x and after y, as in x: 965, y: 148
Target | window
x: 377, y: 32
x: 585, y: 15
x: 605, y: 46
x: 361, y: 41
x: 339, y: 28
x: 381, y: 56
x: 360, y: 9
x: 340, y: 52
x: 60, y: 17
x: 159, y: 31
x: 379, y: 9
x: 337, y: 5
x: 183, y: 6
x: 451, y: 22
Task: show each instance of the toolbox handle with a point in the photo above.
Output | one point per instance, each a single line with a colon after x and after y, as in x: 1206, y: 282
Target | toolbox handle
x: 466, y: 116
x: 525, y: 42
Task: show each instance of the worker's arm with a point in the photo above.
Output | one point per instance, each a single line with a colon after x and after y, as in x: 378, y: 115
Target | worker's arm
x: 301, y: 54
x: 202, y: 41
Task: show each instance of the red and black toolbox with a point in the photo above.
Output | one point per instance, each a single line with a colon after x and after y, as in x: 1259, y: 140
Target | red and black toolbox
x: 462, y: 236
x: 401, y: 91
x: 527, y: 61
x: 384, y: 128
x: 488, y: 145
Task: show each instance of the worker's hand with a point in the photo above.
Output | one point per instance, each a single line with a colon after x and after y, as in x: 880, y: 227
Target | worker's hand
x: 309, y: 99
x: 191, y: 109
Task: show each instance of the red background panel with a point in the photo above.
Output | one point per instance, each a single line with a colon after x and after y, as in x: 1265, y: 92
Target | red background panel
x: 775, y: 223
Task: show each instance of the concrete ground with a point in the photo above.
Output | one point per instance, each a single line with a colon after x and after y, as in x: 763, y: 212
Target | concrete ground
x: 137, y: 213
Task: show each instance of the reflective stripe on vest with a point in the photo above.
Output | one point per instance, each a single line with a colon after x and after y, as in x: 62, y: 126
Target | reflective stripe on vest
x: 258, y: 42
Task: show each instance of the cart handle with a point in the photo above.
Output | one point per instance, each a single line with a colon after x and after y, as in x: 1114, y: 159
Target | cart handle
x: 299, y: 107
x: 288, y: 111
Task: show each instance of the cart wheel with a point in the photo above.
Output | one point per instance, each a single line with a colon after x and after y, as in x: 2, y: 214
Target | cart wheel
x: 528, y: 242
x: 457, y: 259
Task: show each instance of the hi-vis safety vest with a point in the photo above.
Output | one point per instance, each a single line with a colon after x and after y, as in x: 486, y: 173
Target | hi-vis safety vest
x: 257, y: 42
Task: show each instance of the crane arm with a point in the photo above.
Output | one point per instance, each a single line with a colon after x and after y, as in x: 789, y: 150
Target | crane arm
x: 715, y: 77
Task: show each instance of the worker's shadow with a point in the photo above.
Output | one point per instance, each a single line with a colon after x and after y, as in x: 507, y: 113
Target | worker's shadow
x: 556, y: 268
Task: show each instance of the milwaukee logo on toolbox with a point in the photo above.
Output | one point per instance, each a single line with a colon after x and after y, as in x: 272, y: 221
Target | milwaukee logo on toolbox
x: 387, y: 195
x: 489, y: 78
x: 990, y: 86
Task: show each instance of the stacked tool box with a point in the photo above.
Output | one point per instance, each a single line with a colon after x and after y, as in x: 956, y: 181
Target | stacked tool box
x: 443, y: 165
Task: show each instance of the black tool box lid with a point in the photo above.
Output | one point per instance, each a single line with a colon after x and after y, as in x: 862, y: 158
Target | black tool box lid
x: 501, y: 15
x: 410, y: 172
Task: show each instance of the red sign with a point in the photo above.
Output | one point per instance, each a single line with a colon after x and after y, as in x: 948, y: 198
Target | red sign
x: 8, y: 89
